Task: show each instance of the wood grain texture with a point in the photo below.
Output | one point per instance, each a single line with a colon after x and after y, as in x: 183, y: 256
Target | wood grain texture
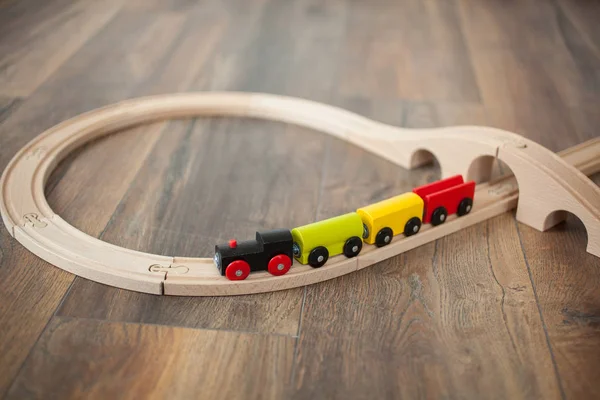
x: 157, y: 212
x: 32, y: 287
x: 418, y: 319
x: 530, y: 66
x: 29, y: 287
x: 30, y: 292
x: 566, y: 284
x: 58, y: 29
x: 101, y: 75
x: 72, y: 357
x: 583, y: 17
x: 430, y: 63
x: 7, y: 106
x: 525, y: 61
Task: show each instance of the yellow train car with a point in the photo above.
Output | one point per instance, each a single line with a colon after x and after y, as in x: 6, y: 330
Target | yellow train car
x: 316, y: 242
x: 383, y: 220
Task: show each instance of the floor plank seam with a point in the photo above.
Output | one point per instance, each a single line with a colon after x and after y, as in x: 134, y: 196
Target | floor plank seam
x: 322, y: 178
x: 539, y: 307
x: 504, y: 318
x: 585, y: 37
x: 154, y: 324
x: 8, y: 110
x: 304, y: 292
x: 468, y: 51
x: 296, y: 344
x: 130, y: 186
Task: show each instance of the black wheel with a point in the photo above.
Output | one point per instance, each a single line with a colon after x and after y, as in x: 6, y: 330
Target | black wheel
x: 465, y: 206
x: 318, y: 257
x: 439, y: 216
x: 352, y: 247
x: 412, y: 226
x: 384, y: 237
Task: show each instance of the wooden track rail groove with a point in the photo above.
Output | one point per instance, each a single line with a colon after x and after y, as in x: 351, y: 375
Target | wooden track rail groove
x: 544, y: 187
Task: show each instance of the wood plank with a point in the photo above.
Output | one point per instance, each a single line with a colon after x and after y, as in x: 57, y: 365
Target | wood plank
x: 8, y: 105
x: 119, y: 156
x: 456, y: 114
x: 443, y: 320
x: 514, y: 93
x: 30, y: 291
x: 389, y: 54
x: 586, y: 122
x: 229, y: 7
x: 95, y: 359
x: 35, y: 41
x: 584, y: 15
x: 566, y: 281
x: 123, y: 154
x: 268, y: 54
x: 576, y: 72
x: 528, y: 75
x: 524, y: 27
x: 317, y: 30
x: 99, y: 69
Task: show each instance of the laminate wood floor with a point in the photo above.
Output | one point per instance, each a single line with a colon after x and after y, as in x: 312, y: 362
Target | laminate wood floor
x: 497, y: 310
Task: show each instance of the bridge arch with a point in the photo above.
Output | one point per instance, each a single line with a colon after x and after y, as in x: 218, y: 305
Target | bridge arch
x: 480, y: 169
x: 421, y: 157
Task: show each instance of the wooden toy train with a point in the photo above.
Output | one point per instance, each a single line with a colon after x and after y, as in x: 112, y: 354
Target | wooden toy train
x: 376, y: 224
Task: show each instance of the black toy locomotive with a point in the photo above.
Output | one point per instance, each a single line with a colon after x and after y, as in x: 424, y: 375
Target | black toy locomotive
x: 271, y: 251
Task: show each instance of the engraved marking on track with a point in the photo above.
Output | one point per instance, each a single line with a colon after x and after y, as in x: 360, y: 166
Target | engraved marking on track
x: 177, y: 269
x: 34, y: 220
x: 37, y: 153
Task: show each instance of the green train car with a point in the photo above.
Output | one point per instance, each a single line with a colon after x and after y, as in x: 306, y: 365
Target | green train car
x: 315, y: 243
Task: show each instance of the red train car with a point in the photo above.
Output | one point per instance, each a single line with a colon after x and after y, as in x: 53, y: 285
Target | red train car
x: 446, y: 197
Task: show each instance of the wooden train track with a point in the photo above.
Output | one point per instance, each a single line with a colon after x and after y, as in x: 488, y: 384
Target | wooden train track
x: 543, y: 187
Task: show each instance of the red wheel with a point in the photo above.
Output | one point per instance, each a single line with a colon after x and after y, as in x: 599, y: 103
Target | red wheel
x: 279, y: 264
x: 237, y: 270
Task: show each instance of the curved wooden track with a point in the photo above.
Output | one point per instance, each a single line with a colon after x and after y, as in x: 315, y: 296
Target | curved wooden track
x: 549, y: 187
